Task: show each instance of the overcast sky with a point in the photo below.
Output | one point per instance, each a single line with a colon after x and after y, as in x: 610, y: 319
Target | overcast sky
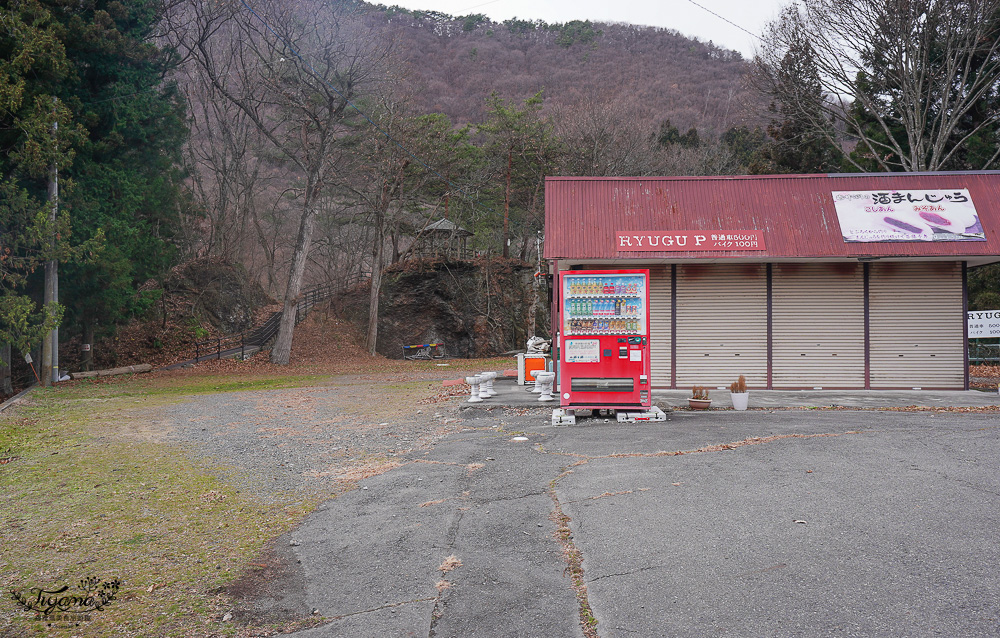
x: 682, y: 15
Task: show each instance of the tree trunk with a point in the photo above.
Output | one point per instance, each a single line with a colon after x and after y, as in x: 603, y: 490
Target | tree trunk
x: 395, y: 247
x: 533, y: 309
x: 87, y: 357
x: 163, y: 310
x: 506, y: 206
x: 376, y: 284
x: 6, y: 388
x: 282, y: 349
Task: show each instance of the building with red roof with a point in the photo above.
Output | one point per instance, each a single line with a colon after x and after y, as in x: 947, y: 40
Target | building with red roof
x: 795, y: 281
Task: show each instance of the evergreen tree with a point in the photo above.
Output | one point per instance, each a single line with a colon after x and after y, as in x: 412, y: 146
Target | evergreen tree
x: 803, y: 139
x: 523, y: 150
x: 94, y: 68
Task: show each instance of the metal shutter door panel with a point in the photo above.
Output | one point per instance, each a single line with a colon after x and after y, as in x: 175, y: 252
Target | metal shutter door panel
x: 660, y: 315
x: 916, y: 325
x: 721, y: 324
x: 818, y: 326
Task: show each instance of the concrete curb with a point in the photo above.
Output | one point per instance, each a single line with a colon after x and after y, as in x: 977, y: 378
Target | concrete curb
x: 17, y: 397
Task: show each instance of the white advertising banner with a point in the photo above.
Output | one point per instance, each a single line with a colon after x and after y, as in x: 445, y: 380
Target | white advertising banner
x: 984, y: 324
x: 912, y: 215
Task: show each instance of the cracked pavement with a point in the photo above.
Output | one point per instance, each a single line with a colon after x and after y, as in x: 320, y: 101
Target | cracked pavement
x: 846, y: 523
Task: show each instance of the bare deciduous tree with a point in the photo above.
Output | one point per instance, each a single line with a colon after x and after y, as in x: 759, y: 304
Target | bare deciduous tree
x: 915, y: 82
x: 608, y: 135
x: 301, y: 106
x: 233, y: 182
x: 396, y: 184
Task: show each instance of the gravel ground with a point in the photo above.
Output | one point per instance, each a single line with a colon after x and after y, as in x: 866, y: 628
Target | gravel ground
x: 314, y: 440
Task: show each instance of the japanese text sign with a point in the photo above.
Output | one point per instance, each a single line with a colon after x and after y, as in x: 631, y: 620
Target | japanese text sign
x: 689, y: 240
x: 912, y: 215
x: 983, y: 324
x: 582, y: 350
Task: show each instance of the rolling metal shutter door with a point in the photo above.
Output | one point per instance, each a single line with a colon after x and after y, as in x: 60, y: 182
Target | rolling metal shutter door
x: 660, y: 316
x: 817, y: 326
x: 916, y: 325
x: 721, y: 324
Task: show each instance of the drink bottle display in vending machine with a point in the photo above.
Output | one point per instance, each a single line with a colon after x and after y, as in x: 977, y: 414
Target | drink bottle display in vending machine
x: 605, y: 305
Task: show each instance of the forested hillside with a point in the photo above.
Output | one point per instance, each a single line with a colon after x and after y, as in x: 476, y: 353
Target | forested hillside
x: 454, y: 63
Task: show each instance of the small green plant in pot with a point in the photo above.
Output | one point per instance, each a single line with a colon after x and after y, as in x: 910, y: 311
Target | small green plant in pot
x: 699, y: 398
x: 739, y: 394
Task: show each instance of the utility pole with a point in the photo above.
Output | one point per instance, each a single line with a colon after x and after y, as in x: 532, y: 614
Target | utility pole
x: 50, y: 343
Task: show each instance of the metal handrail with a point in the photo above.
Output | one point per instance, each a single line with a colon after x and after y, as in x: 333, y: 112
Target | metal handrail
x: 264, y: 333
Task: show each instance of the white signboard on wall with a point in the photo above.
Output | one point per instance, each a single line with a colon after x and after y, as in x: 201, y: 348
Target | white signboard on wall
x: 911, y: 215
x: 984, y: 324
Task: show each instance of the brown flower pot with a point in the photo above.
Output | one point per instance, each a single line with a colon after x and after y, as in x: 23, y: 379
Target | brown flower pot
x: 699, y: 404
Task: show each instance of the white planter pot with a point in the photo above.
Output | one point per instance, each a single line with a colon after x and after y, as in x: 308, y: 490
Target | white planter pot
x: 740, y: 400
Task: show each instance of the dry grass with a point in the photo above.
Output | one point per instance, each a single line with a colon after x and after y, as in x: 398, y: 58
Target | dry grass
x: 573, y: 558
x: 449, y: 564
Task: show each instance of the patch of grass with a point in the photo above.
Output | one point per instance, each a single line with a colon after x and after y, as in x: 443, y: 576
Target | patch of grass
x: 201, y: 384
x: 410, y: 385
x: 146, y: 387
x: 79, y: 502
x: 87, y: 490
x: 574, y: 560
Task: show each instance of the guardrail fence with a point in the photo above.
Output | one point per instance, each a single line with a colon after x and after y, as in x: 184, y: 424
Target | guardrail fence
x: 983, y: 352
x: 261, y: 336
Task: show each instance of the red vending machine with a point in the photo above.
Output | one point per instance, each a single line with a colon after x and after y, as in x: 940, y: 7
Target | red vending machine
x: 604, y: 339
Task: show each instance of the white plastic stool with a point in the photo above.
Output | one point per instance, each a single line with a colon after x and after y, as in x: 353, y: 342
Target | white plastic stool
x: 474, y: 382
x: 545, y: 380
x: 487, y: 391
x: 538, y: 386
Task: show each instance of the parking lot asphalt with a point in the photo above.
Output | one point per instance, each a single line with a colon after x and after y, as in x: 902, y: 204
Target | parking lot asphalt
x: 761, y: 523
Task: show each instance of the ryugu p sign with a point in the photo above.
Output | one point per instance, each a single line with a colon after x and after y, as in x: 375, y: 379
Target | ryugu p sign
x: 688, y: 240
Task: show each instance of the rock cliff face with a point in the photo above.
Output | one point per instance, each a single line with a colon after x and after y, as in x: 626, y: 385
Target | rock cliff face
x: 218, y: 292
x: 476, y: 308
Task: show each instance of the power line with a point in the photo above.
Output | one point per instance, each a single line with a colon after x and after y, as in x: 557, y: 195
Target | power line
x: 476, y: 6
x: 726, y: 20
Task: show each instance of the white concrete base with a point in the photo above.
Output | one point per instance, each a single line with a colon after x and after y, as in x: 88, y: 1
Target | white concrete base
x: 632, y: 416
x: 561, y: 416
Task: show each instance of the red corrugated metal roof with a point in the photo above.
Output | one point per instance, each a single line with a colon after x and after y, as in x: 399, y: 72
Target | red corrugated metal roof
x: 795, y: 213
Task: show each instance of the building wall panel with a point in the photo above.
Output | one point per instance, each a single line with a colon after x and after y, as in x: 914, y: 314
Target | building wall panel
x: 818, y: 326
x: 660, y: 317
x: 721, y: 324
x: 917, y: 325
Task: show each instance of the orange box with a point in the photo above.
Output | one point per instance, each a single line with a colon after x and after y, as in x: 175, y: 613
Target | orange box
x: 528, y: 365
